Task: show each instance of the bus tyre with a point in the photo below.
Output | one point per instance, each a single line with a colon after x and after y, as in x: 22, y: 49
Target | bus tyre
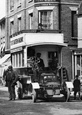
x: 34, y: 98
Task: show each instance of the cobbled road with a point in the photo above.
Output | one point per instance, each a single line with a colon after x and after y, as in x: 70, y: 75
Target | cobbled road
x: 27, y: 107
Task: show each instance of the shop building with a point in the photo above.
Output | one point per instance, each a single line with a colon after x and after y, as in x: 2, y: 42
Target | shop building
x: 45, y: 26
x: 78, y: 51
x: 4, y: 58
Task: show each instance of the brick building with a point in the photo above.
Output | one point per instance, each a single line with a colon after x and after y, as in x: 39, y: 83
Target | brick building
x: 53, y: 23
x: 78, y: 51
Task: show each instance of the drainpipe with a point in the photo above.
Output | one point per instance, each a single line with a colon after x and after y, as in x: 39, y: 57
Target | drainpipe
x: 72, y: 65
x: 59, y: 15
x: 61, y: 68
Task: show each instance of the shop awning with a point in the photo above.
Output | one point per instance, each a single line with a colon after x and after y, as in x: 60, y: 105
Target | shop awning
x: 5, y: 60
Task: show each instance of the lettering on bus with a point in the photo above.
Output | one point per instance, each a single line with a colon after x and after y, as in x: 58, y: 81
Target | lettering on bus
x: 16, y: 41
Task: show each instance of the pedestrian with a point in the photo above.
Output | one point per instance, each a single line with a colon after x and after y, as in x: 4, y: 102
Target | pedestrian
x: 11, y: 79
x: 40, y: 61
x: 76, y: 84
x: 38, y: 67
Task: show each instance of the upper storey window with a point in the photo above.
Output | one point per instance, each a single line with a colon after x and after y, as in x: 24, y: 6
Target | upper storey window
x: 31, y: 20
x: 46, y: 19
x: 74, y: 23
x: 11, y: 27
x: 19, y: 24
x: 18, y: 3
x: 11, y: 4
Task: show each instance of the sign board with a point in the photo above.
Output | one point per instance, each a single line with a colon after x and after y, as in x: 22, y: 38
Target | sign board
x: 69, y: 84
x: 35, y: 85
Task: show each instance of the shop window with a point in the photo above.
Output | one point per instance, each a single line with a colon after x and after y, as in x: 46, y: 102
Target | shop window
x: 31, y: 20
x: 78, y: 65
x: 73, y: 24
x: 11, y: 27
x: 46, y: 19
x: 19, y: 24
x: 52, y: 60
x: 11, y: 5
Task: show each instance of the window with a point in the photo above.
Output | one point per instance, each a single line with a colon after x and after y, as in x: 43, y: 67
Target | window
x: 45, y: 19
x: 31, y: 20
x: 18, y: 59
x: 52, y: 59
x: 11, y: 4
x: 74, y: 24
x: 11, y: 27
x: 18, y: 3
x: 19, y: 24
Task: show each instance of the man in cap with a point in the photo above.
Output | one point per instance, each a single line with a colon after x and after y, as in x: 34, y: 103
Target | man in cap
x: 11, y: 79
x: 76, y: 84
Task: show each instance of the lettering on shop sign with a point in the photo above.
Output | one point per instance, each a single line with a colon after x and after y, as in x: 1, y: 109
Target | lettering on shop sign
x: 16, y: 41
x: 46, y: 0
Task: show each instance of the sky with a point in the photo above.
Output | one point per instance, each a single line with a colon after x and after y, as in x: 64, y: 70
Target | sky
x: 2, y: 8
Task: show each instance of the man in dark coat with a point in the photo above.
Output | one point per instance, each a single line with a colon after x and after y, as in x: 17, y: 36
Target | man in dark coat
x: 76, y: 84
x: 40, y: 61
x: 38, y: 67
x: 11, y: 79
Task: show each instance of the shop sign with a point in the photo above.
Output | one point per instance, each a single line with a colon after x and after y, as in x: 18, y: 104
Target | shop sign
x: 46, y: 0
x: 16, y: 41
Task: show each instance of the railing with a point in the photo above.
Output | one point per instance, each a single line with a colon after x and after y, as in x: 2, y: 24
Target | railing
x: 46, y: 1
x: 34, y: 31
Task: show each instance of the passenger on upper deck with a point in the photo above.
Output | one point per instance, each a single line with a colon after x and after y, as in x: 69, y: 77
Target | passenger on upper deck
x: 40, y: 62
